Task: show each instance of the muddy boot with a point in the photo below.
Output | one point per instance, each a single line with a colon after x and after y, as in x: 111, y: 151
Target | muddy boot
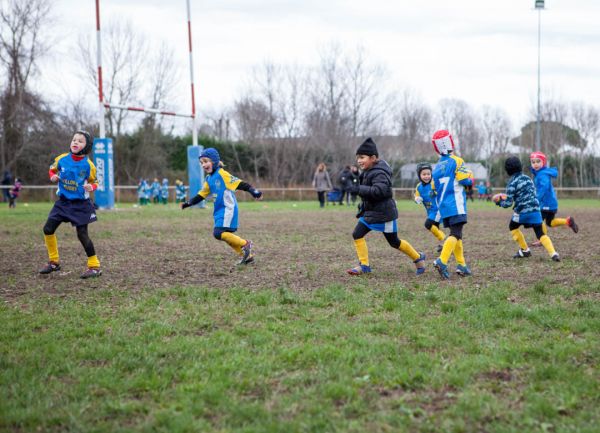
x: 50, y: 267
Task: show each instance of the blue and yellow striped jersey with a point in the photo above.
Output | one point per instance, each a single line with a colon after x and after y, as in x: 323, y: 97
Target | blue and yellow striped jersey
x: 73, y: 174
x: 223, y: 185
x: 450, y: 176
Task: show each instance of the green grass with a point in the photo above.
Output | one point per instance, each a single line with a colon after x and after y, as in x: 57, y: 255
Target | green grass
x: 337, y: 359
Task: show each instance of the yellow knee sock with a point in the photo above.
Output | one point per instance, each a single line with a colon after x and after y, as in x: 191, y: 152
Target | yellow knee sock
x: 544, y: 228
x: 437, y: 233
x: 362, y: 251
x: 518, y: 237
x: 408, y: 249
x: 459, y: 253
x: 547, y: 243
x: 449, y: 245
x: 52, y: 247
x: 558, y: 222
x: 234, y: 241
x: 93, y: 262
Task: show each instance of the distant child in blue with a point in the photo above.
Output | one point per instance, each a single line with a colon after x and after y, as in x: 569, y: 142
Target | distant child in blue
x: 520, y: 193
x: 425, y: 195
x: 76, y: 177
x: 164, y: 191
x: 141, y: 192
x: 378, y: 209
x: 180, y: 191
x: 481, y: 191
x: 14, y: 193
x: 223, y: 185
x: 147, y: 191
x: 450, y: 178
x: 155, y: 191
x: 542, y: 176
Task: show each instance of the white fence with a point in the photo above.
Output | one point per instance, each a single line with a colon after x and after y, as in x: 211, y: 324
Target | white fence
x: 128, y: 193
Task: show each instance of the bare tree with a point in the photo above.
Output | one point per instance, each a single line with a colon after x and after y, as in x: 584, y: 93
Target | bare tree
x: 585, y: 118
x: 461, y: 120
x: 412, y: 122
x: 21, y: 46
x: 497, y: 132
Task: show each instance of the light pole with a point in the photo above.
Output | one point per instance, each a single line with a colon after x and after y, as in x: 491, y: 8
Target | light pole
x: 539, y: 5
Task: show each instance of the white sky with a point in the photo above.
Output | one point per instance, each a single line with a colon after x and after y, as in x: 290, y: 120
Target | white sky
x: 484, y: 52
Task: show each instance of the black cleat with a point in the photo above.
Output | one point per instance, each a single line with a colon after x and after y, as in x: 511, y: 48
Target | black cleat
x: 50, y: 267
x: 522, y: 254
x: 91, y: 273
x: 571, y: 223
x: 555, y: 257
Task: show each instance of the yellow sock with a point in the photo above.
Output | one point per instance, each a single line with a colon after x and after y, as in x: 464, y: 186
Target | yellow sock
x: 93, y: 262
x: 558, y: 222
x: 547, y: 243
x: 459, y: 253
x: 544, y: 228
x: 233, y: 241
x: 408, y: 249
x: 437, y: 233
x: 362, y: 251
x: 449, y: 245
x: 518, y: 237
x: 52, y: 247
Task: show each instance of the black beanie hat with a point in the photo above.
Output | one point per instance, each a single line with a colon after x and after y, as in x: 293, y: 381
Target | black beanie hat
x: 513, y: 165
x: 368, y: 148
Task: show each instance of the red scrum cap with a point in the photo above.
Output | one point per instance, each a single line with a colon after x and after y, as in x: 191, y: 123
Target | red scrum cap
x: 539, y: 155
x: 443, y: 142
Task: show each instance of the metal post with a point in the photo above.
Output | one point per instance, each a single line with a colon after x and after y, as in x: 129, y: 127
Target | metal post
x: 99, y: 58
x: 194, y: 130
x: 539, y: 5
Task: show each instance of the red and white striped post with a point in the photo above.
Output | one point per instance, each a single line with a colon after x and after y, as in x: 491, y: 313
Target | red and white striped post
x: 189, y: 22
x: 99, y: 57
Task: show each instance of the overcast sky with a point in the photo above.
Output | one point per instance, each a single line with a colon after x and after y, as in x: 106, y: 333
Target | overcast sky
x: 484, y: 52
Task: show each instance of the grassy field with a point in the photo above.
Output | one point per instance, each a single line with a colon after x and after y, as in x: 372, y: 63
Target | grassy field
x: 175, y: 338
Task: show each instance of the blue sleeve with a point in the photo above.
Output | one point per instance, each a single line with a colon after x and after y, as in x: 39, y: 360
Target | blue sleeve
x: 510, y: 196
x: 543, y: 186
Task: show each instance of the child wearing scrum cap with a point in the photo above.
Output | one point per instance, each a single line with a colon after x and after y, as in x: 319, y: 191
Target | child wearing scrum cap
x: 223, y: 185
x: 76, y: 177
x: 520, y: 194
x: 425, y: 195
x: 542, y: 177
x: 378, y: 209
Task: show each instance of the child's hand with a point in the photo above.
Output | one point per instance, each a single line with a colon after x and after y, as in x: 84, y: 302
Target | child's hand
x: 185, y: 204
x: 497, y: 198
x: 88, y: 187
x: 256, y: 194
x: 54, y: 178
x: 419, y: 200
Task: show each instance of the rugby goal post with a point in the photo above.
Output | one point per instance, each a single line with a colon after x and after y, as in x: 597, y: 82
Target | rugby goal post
x: 103, y: 147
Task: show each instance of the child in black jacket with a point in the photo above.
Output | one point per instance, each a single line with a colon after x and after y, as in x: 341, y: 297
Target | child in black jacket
x: 378, y: 209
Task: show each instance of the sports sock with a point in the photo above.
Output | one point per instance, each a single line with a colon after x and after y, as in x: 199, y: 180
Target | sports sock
x: 93, y: 262
x: 547, y: 243
x: 362, y: 251
x: 518, y: 237
x: 544, y: 228
x: 52, y: 247
x: 448, y: 248
x: 558, y: 222
x: 233, y: 241
x: 408, y: 249
x: 459, y: 253
x: 437, y: 233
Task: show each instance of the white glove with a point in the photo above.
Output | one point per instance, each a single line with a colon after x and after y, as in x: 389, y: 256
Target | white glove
x: 419, y: 200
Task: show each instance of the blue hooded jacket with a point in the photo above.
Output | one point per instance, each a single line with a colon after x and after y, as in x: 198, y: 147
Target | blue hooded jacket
x: 544, y: 189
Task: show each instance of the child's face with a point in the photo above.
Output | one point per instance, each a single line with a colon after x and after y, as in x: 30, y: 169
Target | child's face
x: 426, y: 175
x: 207, y: 165
x: 77, y: 143
x: 365, y: 162
x: 536, y: 163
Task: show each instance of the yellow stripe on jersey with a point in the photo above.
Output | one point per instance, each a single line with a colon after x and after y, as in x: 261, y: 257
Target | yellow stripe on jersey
x: 92, y: 179
x: 231, y: 182
x: 417, y: 194
x: 54, y: 166
x: 461, y: 172
x: 205, y: 192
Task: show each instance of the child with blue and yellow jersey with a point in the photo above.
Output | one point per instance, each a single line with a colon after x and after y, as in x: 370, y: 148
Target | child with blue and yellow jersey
x: 164, y: 191
x: 180, y: 191
x: 450, y: 178
x: 223, y: 185
x: 521, y: 195
x: 425, y: 195
x: 76, y: 177
x: 542, y: 178
x: 378, y: 209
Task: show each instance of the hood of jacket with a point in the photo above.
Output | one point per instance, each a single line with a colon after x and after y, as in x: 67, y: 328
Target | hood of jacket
x: 550, y: 171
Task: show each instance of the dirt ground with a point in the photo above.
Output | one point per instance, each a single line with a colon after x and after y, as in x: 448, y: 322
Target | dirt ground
x: 295, y: 249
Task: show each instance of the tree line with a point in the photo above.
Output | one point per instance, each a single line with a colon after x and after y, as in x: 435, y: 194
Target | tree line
x: 285, y: 121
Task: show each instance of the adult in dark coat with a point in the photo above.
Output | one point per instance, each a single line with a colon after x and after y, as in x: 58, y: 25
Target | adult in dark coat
x: 345, y: 181
x: 7, y: 184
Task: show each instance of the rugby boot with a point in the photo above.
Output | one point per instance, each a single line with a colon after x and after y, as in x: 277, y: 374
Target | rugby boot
x: 521, y: 254
x: 50, y: 267
x: 91, y: 273
x: 419, y: 263
x: 463, y: 271
x: 359, y: 270
x: 442, y: 269
x: 247, y: 256
x: 571, y: 223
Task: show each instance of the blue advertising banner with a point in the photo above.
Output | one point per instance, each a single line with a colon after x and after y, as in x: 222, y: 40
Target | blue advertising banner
x: 195, y: 172
x: 103, y: 160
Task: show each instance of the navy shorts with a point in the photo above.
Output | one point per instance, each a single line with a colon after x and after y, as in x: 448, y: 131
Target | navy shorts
x: 454, y: 220
x: 76, y: 212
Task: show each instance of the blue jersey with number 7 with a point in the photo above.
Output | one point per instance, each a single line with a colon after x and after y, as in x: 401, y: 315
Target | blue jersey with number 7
x: 450, y: 177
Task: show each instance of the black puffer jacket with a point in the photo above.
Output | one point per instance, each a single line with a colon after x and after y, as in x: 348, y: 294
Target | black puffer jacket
x: 376, y: 193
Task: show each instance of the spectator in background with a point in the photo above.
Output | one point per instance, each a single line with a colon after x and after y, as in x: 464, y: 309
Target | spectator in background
x: 164, y: 191
x: 6, y: 182
x: 155, y: 191
x: 345, y: 181
x: 321, y: 182
x: 355, y: 182
x: 481, y: 191
x: 180, y: 191
x: 488, y: 191
x: 14, y: 193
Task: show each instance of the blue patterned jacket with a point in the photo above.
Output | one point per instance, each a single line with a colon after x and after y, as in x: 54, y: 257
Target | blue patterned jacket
x: 520, y: 192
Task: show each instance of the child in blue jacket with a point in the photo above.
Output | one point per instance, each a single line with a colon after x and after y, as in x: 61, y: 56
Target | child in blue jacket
x: 542, y: 176
x: 425, y: 195
x: 520, y: 193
